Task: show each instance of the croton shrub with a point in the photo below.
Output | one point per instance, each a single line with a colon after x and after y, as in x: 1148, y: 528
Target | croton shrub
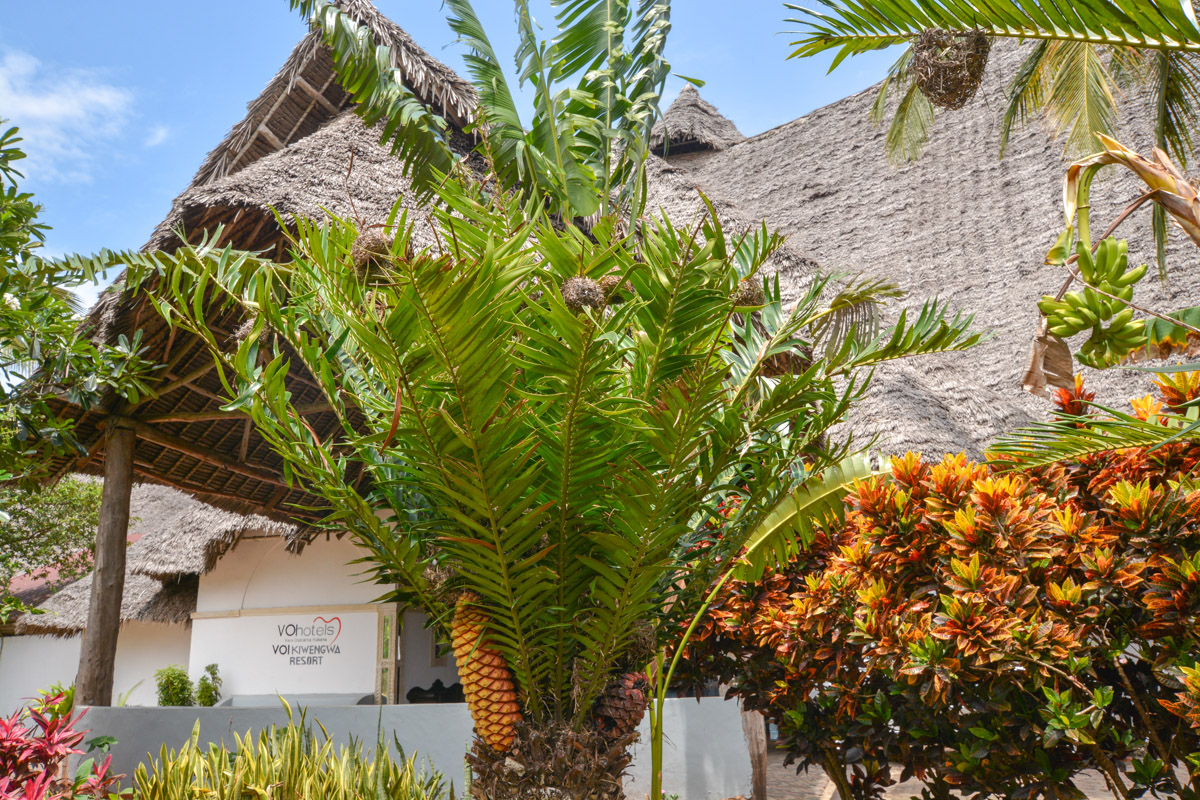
x: 35, y: 743
x: 989, y: 630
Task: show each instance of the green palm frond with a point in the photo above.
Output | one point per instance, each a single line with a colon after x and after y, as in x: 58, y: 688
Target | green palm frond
x: 1072, y: 438
x: 911, y: 126
x: 1081, y: 101
x: 1026, y: 93
x: 931, y: 332
x: 850, y: 27
x: 415, y: 134
x: 853, y: 313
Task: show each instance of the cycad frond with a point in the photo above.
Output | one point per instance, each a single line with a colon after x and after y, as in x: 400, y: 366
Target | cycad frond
x: 853, y: 311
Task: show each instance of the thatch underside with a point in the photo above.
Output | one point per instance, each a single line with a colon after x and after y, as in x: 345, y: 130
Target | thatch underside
x: 144, y: 600
x: 305, y: 94
x: 691, y: 124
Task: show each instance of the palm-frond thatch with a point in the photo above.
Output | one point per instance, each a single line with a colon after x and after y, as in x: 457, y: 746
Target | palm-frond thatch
x: 691, y: 124
x: 144, y: 600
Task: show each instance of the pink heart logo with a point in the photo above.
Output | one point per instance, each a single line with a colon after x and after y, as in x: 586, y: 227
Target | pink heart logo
x: 330, y: 621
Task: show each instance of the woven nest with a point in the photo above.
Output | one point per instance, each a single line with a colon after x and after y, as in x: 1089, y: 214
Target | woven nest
x: 949, y: 65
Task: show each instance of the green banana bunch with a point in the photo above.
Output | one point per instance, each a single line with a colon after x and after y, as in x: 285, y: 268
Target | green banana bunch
x: 1076, y: 312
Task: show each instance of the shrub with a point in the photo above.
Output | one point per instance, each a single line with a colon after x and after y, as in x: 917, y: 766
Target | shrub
x: 208, y: 688
x: 993, y: 632
x: 174, y: 686
x: 35, y: 744
x: 284, y: 763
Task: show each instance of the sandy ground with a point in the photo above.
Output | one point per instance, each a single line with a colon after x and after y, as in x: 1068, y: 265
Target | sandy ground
x: 784, y: 784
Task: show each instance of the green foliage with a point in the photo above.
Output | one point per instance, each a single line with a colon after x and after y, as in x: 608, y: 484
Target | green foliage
x: 993, y: 634
x: 596, y: 86
x: 44, y: 355
x: 208, y: 688
x: 557, y: 464
x: 285, y: 763
x: 174, y: 686
x: 48, y: 530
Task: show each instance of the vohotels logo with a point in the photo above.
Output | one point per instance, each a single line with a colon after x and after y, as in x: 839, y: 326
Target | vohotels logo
x: 319, y: 629
x: 307, y: 644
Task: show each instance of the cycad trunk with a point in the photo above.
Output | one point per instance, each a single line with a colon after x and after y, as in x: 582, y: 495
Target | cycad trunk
x: 551, y: 762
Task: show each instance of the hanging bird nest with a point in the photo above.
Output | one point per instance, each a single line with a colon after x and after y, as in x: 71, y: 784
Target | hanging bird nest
x: 949, y: 65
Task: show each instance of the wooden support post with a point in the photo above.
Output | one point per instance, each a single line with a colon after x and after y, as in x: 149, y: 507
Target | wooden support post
x: 754, y: 726
x: 98, y: 651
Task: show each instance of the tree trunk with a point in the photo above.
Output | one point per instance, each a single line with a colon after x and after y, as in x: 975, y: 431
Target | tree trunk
x: 551, y: 762
x: 98, y: 651
x: 755, y: 728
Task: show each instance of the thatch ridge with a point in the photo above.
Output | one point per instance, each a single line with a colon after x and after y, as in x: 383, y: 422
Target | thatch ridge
x: 691, y: 123
x: 144, y: 600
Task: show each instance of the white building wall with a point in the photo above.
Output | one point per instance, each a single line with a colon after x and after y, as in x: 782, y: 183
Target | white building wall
x: 29, y: 664
x: 142, y: 649
x: 261, y: 573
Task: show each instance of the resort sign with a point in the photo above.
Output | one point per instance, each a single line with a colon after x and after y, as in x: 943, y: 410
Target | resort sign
x: 310, y: 651
x: 308, y: 644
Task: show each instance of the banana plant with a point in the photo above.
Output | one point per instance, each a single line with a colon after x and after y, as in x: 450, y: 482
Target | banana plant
x: 596, y: 86
x: 544, y: 421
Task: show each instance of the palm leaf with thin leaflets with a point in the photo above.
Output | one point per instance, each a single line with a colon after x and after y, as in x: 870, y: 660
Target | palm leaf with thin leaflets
x: 910, y: 128
x: 1027, y: 93
x: 1081, y: 101
x: 1072, y: 438
x: 850, y: 27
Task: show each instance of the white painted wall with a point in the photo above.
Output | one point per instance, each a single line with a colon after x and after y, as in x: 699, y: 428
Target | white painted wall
x: 261, y: 573
x: 416, y: 649
x: 31, y: 663
x: 289, y: 653
x: 142, y: 649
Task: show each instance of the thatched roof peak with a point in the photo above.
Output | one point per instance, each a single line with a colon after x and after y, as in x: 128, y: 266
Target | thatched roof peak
x: 305, y: 94
x: 691, y: 124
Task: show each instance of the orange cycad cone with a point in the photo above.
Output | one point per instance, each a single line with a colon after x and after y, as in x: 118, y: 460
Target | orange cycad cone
x: 486, y: 679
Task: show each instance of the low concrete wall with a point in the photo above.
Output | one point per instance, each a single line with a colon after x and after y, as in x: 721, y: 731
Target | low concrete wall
x: 705, y: 753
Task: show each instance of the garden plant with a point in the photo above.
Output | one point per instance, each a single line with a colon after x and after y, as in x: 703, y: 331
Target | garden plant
x: 992, y: 631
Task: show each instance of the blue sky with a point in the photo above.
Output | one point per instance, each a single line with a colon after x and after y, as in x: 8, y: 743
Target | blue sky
x: 119, y: 103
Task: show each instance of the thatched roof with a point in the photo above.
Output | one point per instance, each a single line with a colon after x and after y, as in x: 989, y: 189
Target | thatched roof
x: 960, y: 224
x: 291, y: 153
x: 305, y: 94
x: 175, y: 539
x: 691, y: 124
x: 144, y: 600
x: 191, y: 544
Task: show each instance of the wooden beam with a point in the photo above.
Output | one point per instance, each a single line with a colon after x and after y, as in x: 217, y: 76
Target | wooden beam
x: 98, y: 650
x: 266, y: 133
x: 153, y: 435
x: 218, y: 414
x: 316, y: 94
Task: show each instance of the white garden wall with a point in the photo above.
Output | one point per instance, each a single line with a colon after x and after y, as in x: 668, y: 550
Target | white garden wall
x: 30, y: 663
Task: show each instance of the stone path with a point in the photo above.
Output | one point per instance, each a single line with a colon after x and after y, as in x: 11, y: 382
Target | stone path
x: 784, y: 784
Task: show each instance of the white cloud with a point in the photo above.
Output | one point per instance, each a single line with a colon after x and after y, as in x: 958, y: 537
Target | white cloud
x: 157, y: 135
x: 63, y: 115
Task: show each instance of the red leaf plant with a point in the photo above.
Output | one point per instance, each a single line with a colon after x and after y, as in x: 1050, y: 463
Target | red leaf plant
x: 994, y: 633
x: 35, y: 744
